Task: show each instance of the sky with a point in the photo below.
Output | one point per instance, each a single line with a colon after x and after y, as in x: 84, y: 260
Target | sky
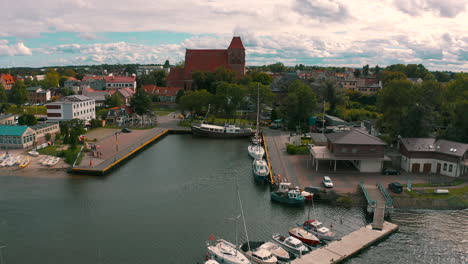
x: 349, y: 33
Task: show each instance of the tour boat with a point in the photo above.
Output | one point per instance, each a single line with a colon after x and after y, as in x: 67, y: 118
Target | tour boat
x: 226, y: 252
x: 280, y: 253
x: 304, y: 236
x: 256, y: 151
x: 291, y: 244
x: 258, y: 255
x: 260, y: 170
x: 226, y: 131
x: 317, y: 228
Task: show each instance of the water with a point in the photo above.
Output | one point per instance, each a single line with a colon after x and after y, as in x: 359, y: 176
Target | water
x: 162, y: 206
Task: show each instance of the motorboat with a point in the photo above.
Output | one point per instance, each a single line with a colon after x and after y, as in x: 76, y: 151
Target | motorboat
x: 317, y: 228
x: 33, y: 153
x: 226, y: 131
x: 291, y: 244
x: 304, y: 236
x: 53, y: 161
x: 280, y: 253
x: 211, y: 261
x: 256, y: 151
x: 226, y: 252
x: 256, y: 254
x: 260, y: 170
x: 291, y: 197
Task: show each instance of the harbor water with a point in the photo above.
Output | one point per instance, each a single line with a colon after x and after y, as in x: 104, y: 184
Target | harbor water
x: 162, y: 205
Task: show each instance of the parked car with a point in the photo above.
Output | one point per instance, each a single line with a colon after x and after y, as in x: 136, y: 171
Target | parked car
x: 395, y: 187
x: 327, y: 182
x: 126, y: 130
x: 390, y: 171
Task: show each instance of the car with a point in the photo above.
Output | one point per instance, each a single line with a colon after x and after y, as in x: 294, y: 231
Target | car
x: 126, y: 130
x: 390, y: 171
x: 327, y: 182
x: 395, y: 187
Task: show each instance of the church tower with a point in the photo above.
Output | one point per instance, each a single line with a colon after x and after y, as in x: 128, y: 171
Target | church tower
x: 236, y: 56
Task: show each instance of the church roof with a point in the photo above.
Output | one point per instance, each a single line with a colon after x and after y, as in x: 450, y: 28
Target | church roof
x: 236, y: 43
x: 204, y: 60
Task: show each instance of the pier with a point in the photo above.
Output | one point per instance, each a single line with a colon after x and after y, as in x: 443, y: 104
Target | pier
x: 379, y: 203
x: 348, y: 246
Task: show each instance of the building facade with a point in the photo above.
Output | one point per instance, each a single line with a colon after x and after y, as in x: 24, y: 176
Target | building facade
x: 165, y: 94
x: 7, y: 119
x: 7, y: 80
x: 430, y: 155
x: 16, y: 137
x: 43, y: 129
x: 208, y: 60
x: 72, y: 107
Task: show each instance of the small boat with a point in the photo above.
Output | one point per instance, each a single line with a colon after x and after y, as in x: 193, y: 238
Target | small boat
x: 291, y: 244
x: 260, y: 170
x: 317, y: 228
x: 33, y: 153
x: 304, y: 236
x: 280, y: 253
x: 226, y: 252
x: 53, y: 162
x: 25, y: 162
x: 211, y: 261
x: 5, y: 161
x: 256, y: 151
x: 47, y: 160
x: 292, y: 197
x: 3, y: 156
x: 256, y: 139
x: 12, y: 161
x: 257, y: 254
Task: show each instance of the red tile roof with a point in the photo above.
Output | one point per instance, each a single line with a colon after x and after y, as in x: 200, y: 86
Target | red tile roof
x: 7, y: 78
x: 120, y: 79
x: 165, y: 91
x: 125, y: 92
x: 236, y: 43
x: 126, y: 107
x: 72, y: 78
x: 204, y: 60
x: 176, y: 74
x: 89, y: 77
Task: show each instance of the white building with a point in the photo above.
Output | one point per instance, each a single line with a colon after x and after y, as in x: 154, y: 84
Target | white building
x: 116, y: 82
x: 72, y: 107
x: 430, y: 155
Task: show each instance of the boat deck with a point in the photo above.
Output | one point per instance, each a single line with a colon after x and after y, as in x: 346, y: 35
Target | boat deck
x: 348, y: 246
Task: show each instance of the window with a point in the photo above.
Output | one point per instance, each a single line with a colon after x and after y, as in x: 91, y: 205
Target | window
x: 450, y: 167
x: 344, y: 150
x: 354, y: 150
x: 445, y: 166
x: 372, y: 150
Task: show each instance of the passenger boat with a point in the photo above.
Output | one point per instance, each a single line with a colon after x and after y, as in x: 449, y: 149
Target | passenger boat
x: 304, y: 236
x: 226, y: 131
x: 256, y: 151
x: 280, y: 253
x: 260, y: 170
x: 291, y: 244
x: 256, y: 254
x: 287, y: 195
x: 317, y: 228
x: 226, y: 252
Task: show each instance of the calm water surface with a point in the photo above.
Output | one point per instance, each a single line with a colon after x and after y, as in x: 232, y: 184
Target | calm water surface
x: 163, y: 205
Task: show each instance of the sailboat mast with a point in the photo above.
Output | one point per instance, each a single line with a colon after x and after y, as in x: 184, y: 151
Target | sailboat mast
x: 258, y: 108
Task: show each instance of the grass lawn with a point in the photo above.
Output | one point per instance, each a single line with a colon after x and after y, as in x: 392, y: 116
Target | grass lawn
x: 453, y: 183
x: 68, y: 155
x: 429, y: 193
x: 161, y: 111
x: 32, y: 109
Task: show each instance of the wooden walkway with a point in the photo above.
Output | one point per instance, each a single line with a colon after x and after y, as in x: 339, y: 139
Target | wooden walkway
x: 348, y: 246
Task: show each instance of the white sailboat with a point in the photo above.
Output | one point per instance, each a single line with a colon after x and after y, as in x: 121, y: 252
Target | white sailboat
x: 256, y: 150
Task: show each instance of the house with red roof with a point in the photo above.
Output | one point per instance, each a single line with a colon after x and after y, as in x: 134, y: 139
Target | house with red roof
x: 124, y: 93
x: 165, y: 94
x: 119, y: 115
x: 117, y: 82
x: 208, y: 60
x: 7, y: 80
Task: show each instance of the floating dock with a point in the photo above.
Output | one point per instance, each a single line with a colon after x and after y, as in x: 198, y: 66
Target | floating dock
x: 348, y: 246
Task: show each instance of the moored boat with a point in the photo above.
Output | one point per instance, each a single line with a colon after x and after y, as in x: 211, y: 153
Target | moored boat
x: 256, y: 254
x: 53, y: 161
x: 280, y: 253
x: 317, y: 228
x: 256, y: 151
x: 226, y: 252
x: 260, y: 170
x: 291, y: 244
x: 227, y: 131
x: 292, y: 197
x: 25, y: 162
x: 33, y: 153
x: 305, y: 236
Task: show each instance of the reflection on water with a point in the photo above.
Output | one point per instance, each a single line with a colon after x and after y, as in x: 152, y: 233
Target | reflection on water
x: 163, y: 205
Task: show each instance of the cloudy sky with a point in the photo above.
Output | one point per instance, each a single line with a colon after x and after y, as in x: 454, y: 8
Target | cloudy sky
x: 313, y: 32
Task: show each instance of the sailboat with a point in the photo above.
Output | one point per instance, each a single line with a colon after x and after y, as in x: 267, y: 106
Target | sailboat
x: 256, y: 151
x: 227, y: 252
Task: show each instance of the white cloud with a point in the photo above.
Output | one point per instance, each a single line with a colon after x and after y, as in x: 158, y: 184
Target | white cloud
x: 445, y: 8
x: 18, y: 49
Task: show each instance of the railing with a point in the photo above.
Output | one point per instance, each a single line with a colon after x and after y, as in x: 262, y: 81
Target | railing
x: 388, y: 199
x: 366, y: 194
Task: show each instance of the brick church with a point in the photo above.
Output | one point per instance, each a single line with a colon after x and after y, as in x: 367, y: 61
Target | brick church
x: 208, y: 60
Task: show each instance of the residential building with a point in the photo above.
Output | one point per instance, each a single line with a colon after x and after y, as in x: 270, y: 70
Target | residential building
x: 119, y: 115
x: 350, y: 85
x: 16, y: 137
x: 368, y: 85
x: 117, y: 82
x: 430, y: 155
x: 146, y: 69
x: 7, y: 119
x: 72, y: 107
x: 365, y: 152
x: 7, y: 80
x: 43, y: 129
x: 415, y: 80
x: 99, y: 97
x: 38, y: 95
x: 124, y: 93
x: 165, y: 94
x: 94, y: 82
x: 208, y: 60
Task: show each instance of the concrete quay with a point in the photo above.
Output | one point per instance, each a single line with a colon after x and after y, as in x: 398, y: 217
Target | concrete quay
x: 348, y: 246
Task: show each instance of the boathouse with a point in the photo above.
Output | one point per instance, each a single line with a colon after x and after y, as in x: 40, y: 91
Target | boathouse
x: 365, y: 152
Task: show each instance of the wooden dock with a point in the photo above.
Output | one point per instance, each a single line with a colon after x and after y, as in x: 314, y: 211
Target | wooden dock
x: 348, y: 246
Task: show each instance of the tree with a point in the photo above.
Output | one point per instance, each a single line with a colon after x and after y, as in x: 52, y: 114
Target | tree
x: 261, y: 77
x: 167, y: 64
x: 27, y: 120
x: 388, y: 76
x: 157, y: 78
x: 196, y: 101
x: 298, y: 105
x: 357, y: 73
x: 179, y: 94
x: 71, y: 130
x: 18, y: 94
x: 141, y: 102
x: 223, y: 74
x: 113, y: 100
x: 51, y: 79
x: 277, y: 67
x: 3, y: 95
x: 332, y: 95
x: 229, y: 97
x: 377, y: 69
x: 48, y: 136
x: 365, y: 70
x: 203, y: 81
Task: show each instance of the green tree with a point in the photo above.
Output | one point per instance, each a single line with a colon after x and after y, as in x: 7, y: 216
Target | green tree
x: 388, y: 76
x: 365, y: 70
x: 377, y: 69
x: 261, y: 77
x: 18, y: 94
x: 27, y: 120
x: 229, y: 97
x: 157, y: 78
x: 332, y: 95
x: 3, y: 95
x: 179, y: 94
x: 113, y: 100
x: 51, y: 79
x: 48, y: 136
x: 71, y: 130
x: 223, y: 74
x: 167, y: 64
x: 277, y: 67
x: 141, y: 102
x: 196, y: 101
x: 299, y: 105
x: 203, y: 81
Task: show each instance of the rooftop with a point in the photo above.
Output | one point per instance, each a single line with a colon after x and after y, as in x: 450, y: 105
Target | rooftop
x: 354, y: 137
x: 74, y: 98
x: 12, y: 130
x: 435, y: 145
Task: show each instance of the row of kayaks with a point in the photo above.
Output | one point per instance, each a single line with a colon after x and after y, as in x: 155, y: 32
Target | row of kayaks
x: 7, y: 160
x: 282, y: 249
x: 49, y: 161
